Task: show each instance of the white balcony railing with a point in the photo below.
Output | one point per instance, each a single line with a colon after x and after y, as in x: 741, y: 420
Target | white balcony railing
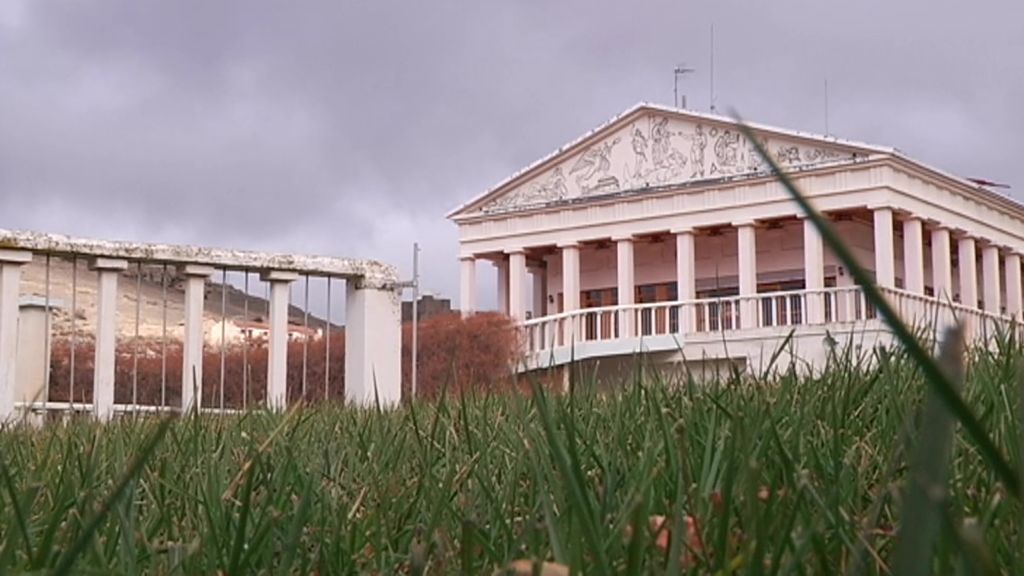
x: 93, y: 335
x: 737, y: 313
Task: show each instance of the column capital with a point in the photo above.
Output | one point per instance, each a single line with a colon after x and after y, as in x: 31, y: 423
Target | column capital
x: 517, y: 250
x: 570, y: 244
x: 876, y: 207
x: 749, y: 222
x: 682, y: 230
x: 112, y: 264
x: 278, y: 276
x: 197, y: 270
x: 622, y: 237
x: 467, y: 258
x: 15, y: 256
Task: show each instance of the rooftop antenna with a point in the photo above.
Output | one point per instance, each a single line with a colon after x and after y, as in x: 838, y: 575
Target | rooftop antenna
x: 712, y: 67
x: 681, y: 70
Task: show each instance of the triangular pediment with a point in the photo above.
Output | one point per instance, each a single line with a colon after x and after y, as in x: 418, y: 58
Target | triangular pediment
x: 649, y: 148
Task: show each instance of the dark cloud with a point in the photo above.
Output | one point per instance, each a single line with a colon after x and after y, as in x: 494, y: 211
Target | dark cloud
x: 352, y: 128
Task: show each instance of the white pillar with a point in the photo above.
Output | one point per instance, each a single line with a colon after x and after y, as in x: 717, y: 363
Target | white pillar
x: 913, y: 255
x: 108, y: 270
x: 540, y: 289
x: 373, y: 344
x: 517, y: 285
x: 942, y: 265
x: 467, y: 286
x: 626, y: 284
x: 570, y: 287
x: 1014, y: 305
x: 968, y: 272
x: 277, y: 354
x: 990, y: 279
x: 502, y: 267
x: 686, y: 282
x: 11, y: 262
x: 885, y: 259
x: 814, y: 273
x: 192, y: 347
x: 747, y: 263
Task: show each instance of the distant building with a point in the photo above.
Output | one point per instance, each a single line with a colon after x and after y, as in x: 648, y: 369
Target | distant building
x: 236, y: 330
x: 665, y: 231
x: 429, y: 305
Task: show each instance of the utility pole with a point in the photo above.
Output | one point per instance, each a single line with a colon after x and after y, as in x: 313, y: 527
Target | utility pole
x: 415, y: 313
x: 680, y: 70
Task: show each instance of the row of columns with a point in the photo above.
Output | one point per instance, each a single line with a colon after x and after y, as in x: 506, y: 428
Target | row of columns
x: 512, y: 270
x: 372, y: 343
x: 992, y: 264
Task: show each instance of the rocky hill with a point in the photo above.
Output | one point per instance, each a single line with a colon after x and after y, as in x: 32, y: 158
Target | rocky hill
x: 82, y: 314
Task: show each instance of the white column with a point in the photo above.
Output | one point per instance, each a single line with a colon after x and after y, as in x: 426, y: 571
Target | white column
x: 747, y: 262
x: 913, y: 255
x: 277, y: 354
x: 626, y: 284
x: 517, y: 285
x: 502, y: 268
x: 1013, y: 285
x: 11, y: 262
x: 192, y: 348
x: 467, y: 286
x: 942, y: 265
x: 373, y: 344
x: 885, y: 259
x: 540, y: 289
x: 686, y: 281
x: 108, y: 270
x: 990, y: 278
x: 968, y: 272
x: 570, y: 287
x: 814, y: 272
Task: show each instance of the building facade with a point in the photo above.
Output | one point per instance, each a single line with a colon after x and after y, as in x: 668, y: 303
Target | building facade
x: 664, y: 231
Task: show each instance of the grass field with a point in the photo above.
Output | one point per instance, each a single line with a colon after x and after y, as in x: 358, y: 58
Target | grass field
x: 788, y: 476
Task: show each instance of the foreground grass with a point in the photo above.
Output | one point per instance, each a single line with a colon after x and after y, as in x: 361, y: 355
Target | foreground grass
x: 788, y: 476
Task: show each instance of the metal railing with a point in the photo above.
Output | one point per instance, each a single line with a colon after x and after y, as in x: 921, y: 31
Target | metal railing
x: 113, y: 327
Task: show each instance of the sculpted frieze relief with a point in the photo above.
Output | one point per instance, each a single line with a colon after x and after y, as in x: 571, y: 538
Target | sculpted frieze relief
x: 656, y: 151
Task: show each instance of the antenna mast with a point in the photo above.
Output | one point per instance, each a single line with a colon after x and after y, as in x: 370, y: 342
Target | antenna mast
x: 826, y: 107
x: 712, y: 67
x: 680, y: 70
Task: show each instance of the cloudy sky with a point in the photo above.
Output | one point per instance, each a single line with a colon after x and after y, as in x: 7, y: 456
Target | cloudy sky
x: 352, y: 128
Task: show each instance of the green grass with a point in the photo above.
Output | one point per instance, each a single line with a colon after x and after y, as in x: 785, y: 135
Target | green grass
x: 788, y: 476
x: 894, y: 462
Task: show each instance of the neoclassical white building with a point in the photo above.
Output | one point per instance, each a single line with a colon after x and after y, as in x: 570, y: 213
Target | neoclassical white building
x: 663, y: 231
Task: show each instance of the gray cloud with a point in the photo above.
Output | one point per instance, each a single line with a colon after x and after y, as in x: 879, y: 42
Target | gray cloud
x: 352, y: 128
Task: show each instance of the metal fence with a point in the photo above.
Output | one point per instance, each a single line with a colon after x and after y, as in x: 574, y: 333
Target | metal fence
x: 109, y: 327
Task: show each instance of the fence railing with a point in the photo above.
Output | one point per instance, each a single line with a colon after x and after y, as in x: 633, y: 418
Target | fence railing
x: 109, y: 327
x: 737, y: 313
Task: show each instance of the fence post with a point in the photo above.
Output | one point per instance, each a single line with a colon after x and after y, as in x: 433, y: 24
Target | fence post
x: 108, y: 270
x: 373, y: 344
x: 11, y: 262
x: 277, y: 357
x: 192, y: 346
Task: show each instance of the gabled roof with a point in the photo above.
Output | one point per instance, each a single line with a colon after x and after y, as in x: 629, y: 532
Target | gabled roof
x: 585, y: 144
x: 636, y: 112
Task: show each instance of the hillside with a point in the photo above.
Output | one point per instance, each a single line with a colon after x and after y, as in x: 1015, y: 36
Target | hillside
x: 151, y: 311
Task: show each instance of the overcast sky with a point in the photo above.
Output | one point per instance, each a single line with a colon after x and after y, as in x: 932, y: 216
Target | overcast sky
x: 351, y: 128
